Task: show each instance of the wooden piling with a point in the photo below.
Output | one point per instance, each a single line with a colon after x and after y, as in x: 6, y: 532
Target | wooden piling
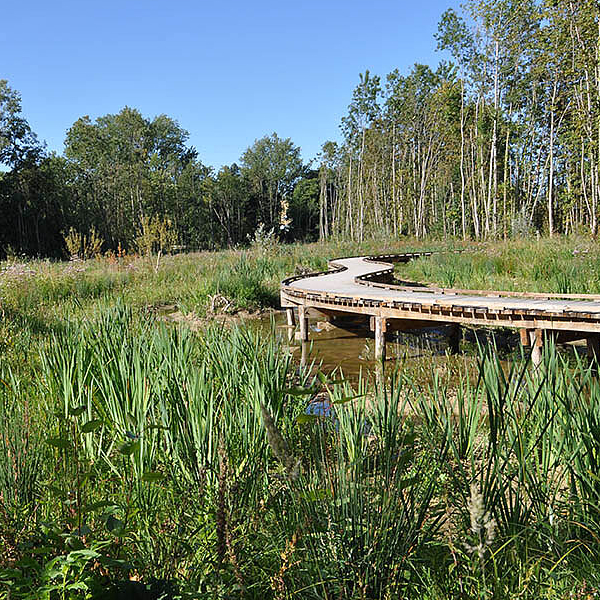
x: 380, y: 326
x: 291, y: 323
x: 593, y: 349
x: 291, y: 318
x: 454, y: 335
x: 305, y: 351
x: 536, y: 341
x: 524, y: 334
x: 303, y: 319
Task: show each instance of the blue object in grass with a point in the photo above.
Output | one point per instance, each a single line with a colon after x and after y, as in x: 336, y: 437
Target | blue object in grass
x: 319, y: 408
x: 322, y: 408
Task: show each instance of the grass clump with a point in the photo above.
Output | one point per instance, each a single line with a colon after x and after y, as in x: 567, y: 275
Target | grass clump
x: 245, y: 283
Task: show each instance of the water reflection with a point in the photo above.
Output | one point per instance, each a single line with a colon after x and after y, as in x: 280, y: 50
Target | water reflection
x: 351, y: 348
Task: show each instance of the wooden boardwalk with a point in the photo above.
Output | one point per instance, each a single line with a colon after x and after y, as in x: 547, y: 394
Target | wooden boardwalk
x: 362, y: 286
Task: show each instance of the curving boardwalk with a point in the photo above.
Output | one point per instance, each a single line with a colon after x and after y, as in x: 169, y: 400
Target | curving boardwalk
x: 361, y: 285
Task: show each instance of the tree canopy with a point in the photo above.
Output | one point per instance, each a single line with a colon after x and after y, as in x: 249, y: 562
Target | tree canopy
x: 503, y: 140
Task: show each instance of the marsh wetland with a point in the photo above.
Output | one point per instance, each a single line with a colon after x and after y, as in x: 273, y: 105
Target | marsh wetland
x: 176, y: 458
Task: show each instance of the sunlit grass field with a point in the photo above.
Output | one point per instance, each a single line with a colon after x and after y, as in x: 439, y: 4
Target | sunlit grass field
x: 561, y: 266
x: 141, y: 459
x: 38, y: 296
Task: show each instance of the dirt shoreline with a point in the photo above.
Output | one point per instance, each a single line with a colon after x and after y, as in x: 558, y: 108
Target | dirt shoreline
x: 197, y: 323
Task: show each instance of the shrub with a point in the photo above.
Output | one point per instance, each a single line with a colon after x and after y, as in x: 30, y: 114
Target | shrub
x: 155, y: 235
x: 83, y: 246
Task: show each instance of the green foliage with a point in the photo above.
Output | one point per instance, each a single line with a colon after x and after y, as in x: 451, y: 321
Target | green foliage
x: 155, y: 236
x: 244, y: 283
x: 162, y: 465
x: 304, y: 209
x: 83, y: 246
x: 445, y: 151
x: 230, y: 203
x: 373, y: 513
x: 129, y: 166
x: 272, y: 166
x: 21, y: 452
x: 263, y: 239
x: 133, y: 449
x: 18, y: 143
x: 559, y: 267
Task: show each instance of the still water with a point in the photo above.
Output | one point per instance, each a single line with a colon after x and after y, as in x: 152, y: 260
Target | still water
x: 351, y: 349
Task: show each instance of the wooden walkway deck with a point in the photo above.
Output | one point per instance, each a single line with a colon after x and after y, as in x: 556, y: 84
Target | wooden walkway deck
x: 362, y: 285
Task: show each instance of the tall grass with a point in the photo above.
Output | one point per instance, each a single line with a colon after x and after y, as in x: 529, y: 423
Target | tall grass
x: 525, y: 442
x: 366, y: 502
x: 133, y: 450
x: 557, y: 266
x: 163, y: 455
x: 21, y: 452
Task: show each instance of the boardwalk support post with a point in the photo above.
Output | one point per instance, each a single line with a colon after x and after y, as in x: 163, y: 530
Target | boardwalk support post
x: 303, y: 319
x: 454, y: 335
x: 593, y: 350
x: 305, y: 351
x: 380, y: 327
x: 291, y: 318
x: 536, y: 341
x: 291, y: 322
x: 524, y: 337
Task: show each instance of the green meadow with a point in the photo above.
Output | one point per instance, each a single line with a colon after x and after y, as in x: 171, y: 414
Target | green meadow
x: 559, y: 266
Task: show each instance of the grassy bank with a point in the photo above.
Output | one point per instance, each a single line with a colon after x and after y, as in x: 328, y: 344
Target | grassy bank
x: 563, y: 266
x: 38, y: 297
x: 140, y: 459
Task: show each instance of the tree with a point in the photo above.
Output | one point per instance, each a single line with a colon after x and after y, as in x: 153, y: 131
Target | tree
x: 328, y: 184
x: 18, y: 144
x: 227, y: 195
x: 271, y: 166
x: 127, y: 166
x: 304, y: 208
x: 32, y: 192
x: 363, y: 111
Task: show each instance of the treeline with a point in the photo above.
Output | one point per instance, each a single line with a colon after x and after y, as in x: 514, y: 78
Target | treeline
x: 502, y: 141
x: 124, y: 177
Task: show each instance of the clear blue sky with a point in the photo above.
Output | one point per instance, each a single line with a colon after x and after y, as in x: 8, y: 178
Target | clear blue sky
x: 229, y: 72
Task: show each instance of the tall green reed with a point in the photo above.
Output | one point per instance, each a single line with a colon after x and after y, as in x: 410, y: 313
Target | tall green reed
x: 523, y: 447
x: 365, y: 501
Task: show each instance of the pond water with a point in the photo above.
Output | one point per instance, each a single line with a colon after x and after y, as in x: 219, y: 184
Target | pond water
x: 349, y: 352
x: 351, y: 348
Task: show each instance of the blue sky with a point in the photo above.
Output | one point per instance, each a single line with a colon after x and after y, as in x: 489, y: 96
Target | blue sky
x: 229, y: 72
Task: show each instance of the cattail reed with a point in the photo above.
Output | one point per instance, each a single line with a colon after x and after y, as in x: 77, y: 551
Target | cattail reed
x: 279, y: 446
x: 221, y: 514
x: 483, y: 526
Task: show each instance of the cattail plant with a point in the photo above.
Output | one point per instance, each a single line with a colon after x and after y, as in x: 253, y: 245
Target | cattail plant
x: 279, y: 446
x: 483, y: 526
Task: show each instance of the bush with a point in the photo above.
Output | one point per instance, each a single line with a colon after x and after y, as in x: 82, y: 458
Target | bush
x: 83, y: 246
